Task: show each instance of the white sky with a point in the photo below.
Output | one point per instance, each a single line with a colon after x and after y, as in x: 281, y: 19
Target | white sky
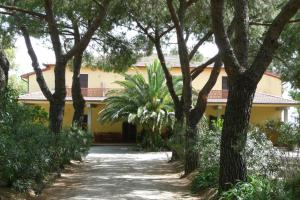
x: 46, y: 55
x: 23, y: 60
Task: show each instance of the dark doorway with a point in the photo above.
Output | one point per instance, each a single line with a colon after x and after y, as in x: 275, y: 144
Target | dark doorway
x: 84, y: 80
x: 129, y: 132
x: 85, y: 122
x: 225, y: 83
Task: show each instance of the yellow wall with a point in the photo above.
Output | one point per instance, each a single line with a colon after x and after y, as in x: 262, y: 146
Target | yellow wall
x: 104, y: 128
x: 98, y: 79
x: 96, y: 126
x: 259, y: 114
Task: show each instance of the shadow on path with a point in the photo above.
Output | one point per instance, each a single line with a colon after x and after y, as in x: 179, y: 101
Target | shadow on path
x: 118, y: 172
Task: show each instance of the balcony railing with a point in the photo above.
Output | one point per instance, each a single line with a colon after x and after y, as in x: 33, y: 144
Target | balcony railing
x: 101, y: 92
x: 91, y: 92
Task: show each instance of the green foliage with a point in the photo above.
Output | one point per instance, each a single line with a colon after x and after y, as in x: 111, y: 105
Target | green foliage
x: 259, y: 153
x: 207, y: 178
x: 152, y: 141
x: 288, y: 134
x: 258, y: 188
x: 29, y: 152
x: 292, y: 187
x: 141, y: 102
x: 262, y: 188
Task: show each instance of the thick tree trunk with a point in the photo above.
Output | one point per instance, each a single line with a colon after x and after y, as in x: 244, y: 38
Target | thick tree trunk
x: 191, y: 151
x: 56, y: 115
x: 78, y: 100
x: 57, y: 105
x: 234, y: 133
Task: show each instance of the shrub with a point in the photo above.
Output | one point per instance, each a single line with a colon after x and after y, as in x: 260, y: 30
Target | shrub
x: 287, y: 134
x: 152, y: 141
x: 258, y: 188
x: 292, y: 187
x: 259, y: 152
x: 205, y: 179
x: 32, y: 152
x: 29, y: 152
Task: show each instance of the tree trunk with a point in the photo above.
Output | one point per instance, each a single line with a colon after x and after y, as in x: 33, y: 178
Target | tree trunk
x: 234, y: 133
x: 2, y: 80
x: 191, y: 151
x: 4, y: 68
x: 78, y: 100
x: 56, y: 115
x: 57, y: 105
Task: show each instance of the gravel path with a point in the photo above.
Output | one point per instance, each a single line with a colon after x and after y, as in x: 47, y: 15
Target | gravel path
x: 118, y: 172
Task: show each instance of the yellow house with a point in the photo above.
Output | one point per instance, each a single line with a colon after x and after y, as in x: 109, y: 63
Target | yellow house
x: 268, y: 101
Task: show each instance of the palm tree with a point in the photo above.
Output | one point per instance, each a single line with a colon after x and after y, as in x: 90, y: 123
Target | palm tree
x: 141, y: 102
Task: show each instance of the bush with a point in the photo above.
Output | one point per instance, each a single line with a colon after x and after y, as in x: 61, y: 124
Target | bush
x: 32, y: 152
x: 259, y: 152
x: 207, y: 178
x: 29, y: 152
x: 152, y: 141
x: 292, y: 187
x: 286, y: 134
x: 258, y: 188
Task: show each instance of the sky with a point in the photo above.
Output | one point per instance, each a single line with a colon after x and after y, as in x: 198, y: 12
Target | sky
x: 46, y: 55
x: 22, y: 59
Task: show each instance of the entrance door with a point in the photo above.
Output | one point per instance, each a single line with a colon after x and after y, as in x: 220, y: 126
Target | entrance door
x: 129, y: 132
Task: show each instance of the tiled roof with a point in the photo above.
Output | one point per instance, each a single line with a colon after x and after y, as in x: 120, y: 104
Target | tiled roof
x: 215, y: 97
x: 171, y: 61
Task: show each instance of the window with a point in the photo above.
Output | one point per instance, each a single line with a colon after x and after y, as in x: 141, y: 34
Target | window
x: 224, y: 83
x: 84, y: 79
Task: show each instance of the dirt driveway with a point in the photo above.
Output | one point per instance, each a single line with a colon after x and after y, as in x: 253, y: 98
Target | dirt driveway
x: 118, y: 172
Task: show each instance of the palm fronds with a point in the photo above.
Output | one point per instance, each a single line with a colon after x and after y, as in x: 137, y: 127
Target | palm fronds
x: 146, y: 103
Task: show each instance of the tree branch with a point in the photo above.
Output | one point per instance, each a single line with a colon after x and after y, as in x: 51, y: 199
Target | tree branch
x: 32, y: 13
x: 270, y: 43
x: 198, y: 70
x: 81, y: 46
x: 36, y: 66
x: 53, y: 30
x: 200, y: 107
x: 199, y: 43
x: 222, y: 39
x: 168, y: 76
x: 166, y: 31
x: 269, y: 24
x: 145, y: 30
x: 241, y: 40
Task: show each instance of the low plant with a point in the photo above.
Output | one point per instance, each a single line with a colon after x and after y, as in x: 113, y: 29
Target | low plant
x: 29, y: 152
x: 286, y: 134
x: 292, y: 187
x: 258, y: 188
x: 206, y: 178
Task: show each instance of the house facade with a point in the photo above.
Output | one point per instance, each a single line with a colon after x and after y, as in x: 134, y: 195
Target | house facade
x: 268, y: 101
